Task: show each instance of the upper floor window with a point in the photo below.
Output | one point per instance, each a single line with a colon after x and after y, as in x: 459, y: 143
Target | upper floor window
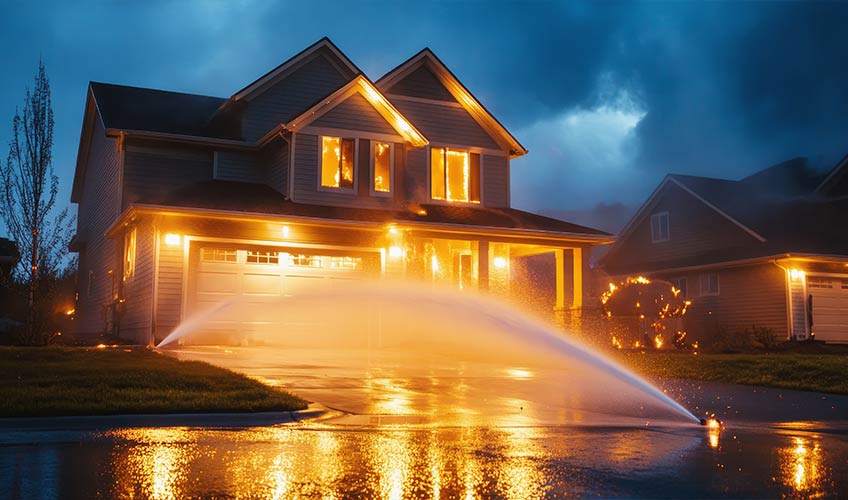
x: 454, y: 175
x: 129, y: 253
x: 338, y: 162
x: 709, y: 284
x: 382, y: 166
x: 659, y: 227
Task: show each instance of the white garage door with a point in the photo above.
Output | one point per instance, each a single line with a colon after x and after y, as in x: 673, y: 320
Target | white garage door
x: 830, y: 307
x: 254, y: 282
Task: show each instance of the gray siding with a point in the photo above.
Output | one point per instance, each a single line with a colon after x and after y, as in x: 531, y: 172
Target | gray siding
x: 315, y: 79
x: 445, y: 124
x: 150, y: 171
x: 495, y: 181
x: 355, y: 113
x: 306, y: 166
x: 238, y: 166
x: 417, y: 172
x: 138, y: 288
x: 276, y: 161
x: 99, y: 207
x: 170, y: 290
x: 422, y: 83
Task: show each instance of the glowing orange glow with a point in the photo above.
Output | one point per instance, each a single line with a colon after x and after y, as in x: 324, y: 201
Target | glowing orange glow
x: 499, y: 262
x: 70, y: 312
x: 450, y: 175
x: 101, y: 346
x: 382, y: 167
x: 797, y: 274
x: 395, y: 252
x: 286, y: 231
x: 658, y: 341
x: 616, y: 342
x: 337, y: 162
x: 172, y: 239
x: 802, y: 467
x: 434, y: 263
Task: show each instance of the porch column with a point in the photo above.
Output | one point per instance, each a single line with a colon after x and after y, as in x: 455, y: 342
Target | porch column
x: 569, y: 289
x: 483, y: 265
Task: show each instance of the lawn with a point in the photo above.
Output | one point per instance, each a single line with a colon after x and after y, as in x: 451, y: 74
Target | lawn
x: 54, y: 381
x: 807, y: 372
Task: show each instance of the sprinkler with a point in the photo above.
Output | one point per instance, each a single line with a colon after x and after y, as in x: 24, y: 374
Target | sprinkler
x: 712, y: 422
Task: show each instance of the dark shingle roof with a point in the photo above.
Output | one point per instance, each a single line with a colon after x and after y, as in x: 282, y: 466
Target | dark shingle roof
x: 135, y: 108
x: 260, y: 198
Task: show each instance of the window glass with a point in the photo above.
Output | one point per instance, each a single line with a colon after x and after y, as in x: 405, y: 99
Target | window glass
x: 346, y: 262
x: 302, y: 260
x: 263, y: 257
x: 382, y: 167
x: 218, y: 255
x: 437, y: 173
x: 337, y: 162
x: 659, y: 227
x: 709, y: 284
x: 452, y: 177
x: 682, y: 285
x: 129, y: 253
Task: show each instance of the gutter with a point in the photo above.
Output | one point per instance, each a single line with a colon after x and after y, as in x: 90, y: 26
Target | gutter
x: 768, y: 259
x: 149, y: 209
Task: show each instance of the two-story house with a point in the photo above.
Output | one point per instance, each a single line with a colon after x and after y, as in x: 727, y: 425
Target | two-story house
x: 311, y: 174
x: 769, y: 250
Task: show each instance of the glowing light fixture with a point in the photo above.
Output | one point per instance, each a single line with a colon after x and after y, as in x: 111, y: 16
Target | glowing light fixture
x: 172, y: 239
x: 286, y: 231
x: 395, y: 252
x: 499, y: 262
x: 797, y: 274
x: 393, y: 230
x: 434, y: 263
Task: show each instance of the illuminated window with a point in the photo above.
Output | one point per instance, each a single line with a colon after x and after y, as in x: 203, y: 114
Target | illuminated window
x: 346, y: 262
x: 218, y: 255
x: 659, y: 228
x: 129, y: 253
x: 709, y: 284
x: 382, y: 165
x: 337, y: 162
x: 454, y: 175
x: 302, y: 260
x: 681, y: 284
x: 263, y: 257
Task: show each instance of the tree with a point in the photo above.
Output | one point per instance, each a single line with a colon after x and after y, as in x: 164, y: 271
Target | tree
x: 27, y: 200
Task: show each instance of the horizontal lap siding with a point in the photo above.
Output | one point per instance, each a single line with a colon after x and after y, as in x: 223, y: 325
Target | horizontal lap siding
x: 445, y: 124
x: 416, y: 175
x: 170, y: 290
x: 276, y: 159
x: 694, y: 229
x: 751, y: 296
x: 495, y: 181
x: 316, y: 79
x: 138, y: 289
x: 355, y: 113
x: 306, y: 166
x: 238, y: 166
x: 100, y: 205
x: 422, y: 83
x: 152, y: 171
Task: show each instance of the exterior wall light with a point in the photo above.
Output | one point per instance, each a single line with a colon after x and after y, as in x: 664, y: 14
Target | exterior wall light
x: 172, y: 239
x: 395, y: 252
x: 796, y: 274
x: 286, y: 231
x: 499, y: 262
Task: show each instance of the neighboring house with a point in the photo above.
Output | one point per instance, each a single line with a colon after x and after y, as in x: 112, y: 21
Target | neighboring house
x: 8, y: 258
x: 309, y: 174
x: 769, y: 250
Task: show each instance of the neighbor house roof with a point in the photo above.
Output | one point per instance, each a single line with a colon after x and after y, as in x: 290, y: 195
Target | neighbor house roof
x: 261, y: 199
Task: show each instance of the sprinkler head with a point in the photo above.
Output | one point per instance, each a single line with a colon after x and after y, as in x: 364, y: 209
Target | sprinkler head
x: 712, y: 422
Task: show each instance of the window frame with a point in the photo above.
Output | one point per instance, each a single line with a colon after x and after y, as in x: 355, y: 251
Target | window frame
x: 708, y: 293
x: 684, y: 290
x: 372, y: 188
x: 320, y: 170
x: 659, y: 217
x: 130, y: 253
x: 470, y: 152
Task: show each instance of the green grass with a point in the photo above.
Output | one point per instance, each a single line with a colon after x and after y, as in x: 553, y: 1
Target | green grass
x: 806, y: 372
x: 54, y: 381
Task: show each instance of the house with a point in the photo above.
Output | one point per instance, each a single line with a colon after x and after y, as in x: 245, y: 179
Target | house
x: 311, y: 174
x: 8, y: 258
x: 767, y: 251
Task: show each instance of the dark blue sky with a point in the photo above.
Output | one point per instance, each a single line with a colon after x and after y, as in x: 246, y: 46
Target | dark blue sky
x: 608, y: 97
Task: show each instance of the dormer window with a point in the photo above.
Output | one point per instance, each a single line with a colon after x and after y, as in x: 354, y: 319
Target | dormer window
x: 659, y: 227
x: 382, y: 167
x: 338, y: 162
x: 454, y: 175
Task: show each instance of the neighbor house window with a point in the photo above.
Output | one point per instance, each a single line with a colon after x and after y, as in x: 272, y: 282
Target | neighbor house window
x: 263, y: 257
x: 454, y: 175
x: 681, y: 284
x: 129, y: 253
x: 709, y: 284
x: 659, y: 227
x: 337, y: 162
x: 382, y: 165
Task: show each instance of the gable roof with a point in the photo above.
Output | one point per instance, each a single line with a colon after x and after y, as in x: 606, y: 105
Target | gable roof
x: 470, y: 103
x: 835, y: 180
x: 360, y: 84
x: 279, y: 72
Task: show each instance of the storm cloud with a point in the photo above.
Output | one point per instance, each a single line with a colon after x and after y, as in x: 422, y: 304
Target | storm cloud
x: 608, y: 97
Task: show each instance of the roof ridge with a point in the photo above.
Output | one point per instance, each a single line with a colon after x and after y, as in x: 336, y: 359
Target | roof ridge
x: 148, y: 89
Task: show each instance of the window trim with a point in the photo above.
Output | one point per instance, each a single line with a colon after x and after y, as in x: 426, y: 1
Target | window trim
x: 371, y: 188
x: 658, y: 216
x: 130, y: 253
x: 320, y: 170
x: 701, y: 292
x: 685, y: 289
x: 445, y: 201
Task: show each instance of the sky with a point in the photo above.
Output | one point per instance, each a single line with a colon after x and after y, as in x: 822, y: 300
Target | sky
x: 608, y: 97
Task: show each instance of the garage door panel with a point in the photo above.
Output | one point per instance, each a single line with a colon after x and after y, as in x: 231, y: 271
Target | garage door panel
x: 263, y: 284
x: 830, y: 307
x: 215, y: 282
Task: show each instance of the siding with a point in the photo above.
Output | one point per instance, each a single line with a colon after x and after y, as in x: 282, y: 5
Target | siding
x: 99, y: 207
x: 417, y: 171
x: 694, y: 229
x: 275, y: 157
x: 422, y: 83
x: 170, y: 289
x: 445, y: 124
x: 313, y: 80
x: 748, y: 296
x: 495, y: 181
x: 150, y: 171
x: 306, y: 166
x: 138, y: 288
x: 238, y: 166
x: 355, y: 113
